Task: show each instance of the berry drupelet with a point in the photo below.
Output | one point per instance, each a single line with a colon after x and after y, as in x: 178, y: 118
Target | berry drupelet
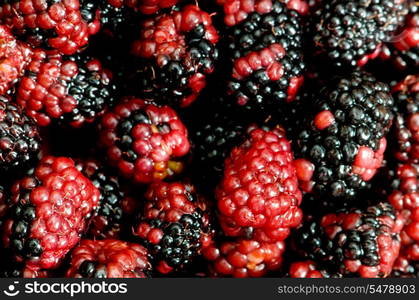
x: 69, y: 89
x: 405, y: 130
x: 14, y: 57
x: 20, y: 142
x: 243, y: 258
x: 403, y: 50
x: 362, y: 242
x: 349, y: 33
x: 48, y: 212
x: 115, y: 206
x: 341, y: 144
x: 143, y: 140
x: 174, y: 225
x: 258, y: 197
x: 175, y: 53
x: 265, y: 51
x: 53, y: 24
x: 109, y: 259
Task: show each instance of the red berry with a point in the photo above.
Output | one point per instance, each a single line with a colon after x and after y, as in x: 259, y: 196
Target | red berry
x: 143, y: 140
x: 50, y: 208
x: 259, y: 193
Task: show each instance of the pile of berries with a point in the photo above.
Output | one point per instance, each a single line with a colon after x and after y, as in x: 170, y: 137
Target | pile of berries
x: 231, y: 138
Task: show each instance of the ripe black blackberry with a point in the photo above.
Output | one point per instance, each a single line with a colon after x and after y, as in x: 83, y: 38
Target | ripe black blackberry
x: 349, y: 33
x: 266, y: 58
x: 174, y: 225
x: 342, y: 142
x: 348, y: 242
x: 115, y: 206
x: 20, y: 141
x: 212, y: 142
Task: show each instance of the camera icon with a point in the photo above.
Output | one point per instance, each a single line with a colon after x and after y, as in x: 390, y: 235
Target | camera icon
x: 12, y: 291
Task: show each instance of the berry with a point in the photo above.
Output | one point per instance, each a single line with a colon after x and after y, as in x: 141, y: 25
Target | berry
x: 48, y: 212
x: 244, y: 258
x: 353, y: 242
x: 14, y: 57
x: 115, y: 206
x: 342, y: 141
x: 53, y: 24
x: 405, y: 130
x: 20, y: 142
x: 212, y: 142
x: 143, y: 140
x: 350, y: 33
x: 174, y: 225
x: 403, y: 49
x: 258, y: 197
x: 176, y: 51
x: 405, y: 199
x: 70, y: 89
x: 109, y: 259
x: 265, y: 52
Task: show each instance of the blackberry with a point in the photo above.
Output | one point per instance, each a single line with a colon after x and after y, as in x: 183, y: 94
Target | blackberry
x: 144, y: 141
x: 174, y: 225
x: 212, y: 142
x: 266, y: 56
x: 115, y: 206
x: 180, y: 241
x: 342, y: 142
x: 405, y: 130
x: 71, y: 89
x: 366, y: 241
x: 349, y: 33
x: 20, y: 142
x: 258, y: 197
x: 48, y: 210
x: 175, y: 53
